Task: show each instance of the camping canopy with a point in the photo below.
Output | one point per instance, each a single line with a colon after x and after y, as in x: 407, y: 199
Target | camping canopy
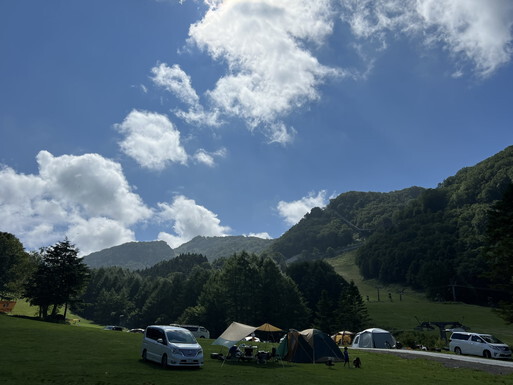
x: 267, y: 327
x: 237, y: 331
x: 310, y: 345
x: 374, y: 338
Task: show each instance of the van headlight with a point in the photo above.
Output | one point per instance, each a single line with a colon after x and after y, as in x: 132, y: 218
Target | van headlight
x: 496, y: 348
x: 177, y: 351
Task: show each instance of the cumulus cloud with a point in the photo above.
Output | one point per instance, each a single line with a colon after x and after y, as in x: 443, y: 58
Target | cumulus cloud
x: 74, y: 196
x: 208, y: 158
x: 151, y: 140
x: 98, y: 233
x: 474, y: 31
x: 293, y: 212
x: 189, y: 220
x: 264, y: 44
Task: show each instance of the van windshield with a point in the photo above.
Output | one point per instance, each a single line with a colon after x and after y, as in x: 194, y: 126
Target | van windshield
x: 490, y: 339
x: 180, y: 337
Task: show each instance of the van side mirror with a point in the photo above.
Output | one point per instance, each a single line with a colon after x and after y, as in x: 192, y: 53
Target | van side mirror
x: 161, y: 341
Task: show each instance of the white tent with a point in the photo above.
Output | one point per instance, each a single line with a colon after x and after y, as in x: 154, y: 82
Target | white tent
x: 237, y: 331
x: 374, y: 338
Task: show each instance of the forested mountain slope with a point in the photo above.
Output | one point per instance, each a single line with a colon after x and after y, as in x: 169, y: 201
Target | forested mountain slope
x: 436, y: 242
x: 141, y: 255
x: 347, y: 220
x: 217, y: 247
x: 131, y: 255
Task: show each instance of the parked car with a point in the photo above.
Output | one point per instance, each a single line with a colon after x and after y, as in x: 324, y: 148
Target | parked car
x: 196, y: 330
x: 171, y: 346
x: 112, y: 327
x: 478, y: 344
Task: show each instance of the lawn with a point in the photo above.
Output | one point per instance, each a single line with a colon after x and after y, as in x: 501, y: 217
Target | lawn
x: 35, y: 352
x: 404, y: 311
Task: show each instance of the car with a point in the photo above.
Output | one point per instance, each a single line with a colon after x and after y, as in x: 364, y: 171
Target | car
x: 171, y: 346
x: 196, y: 330
x: 112, y: 327
x: 478, y: 344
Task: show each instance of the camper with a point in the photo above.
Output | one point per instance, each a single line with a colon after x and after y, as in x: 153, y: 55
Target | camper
x: 374, y: 338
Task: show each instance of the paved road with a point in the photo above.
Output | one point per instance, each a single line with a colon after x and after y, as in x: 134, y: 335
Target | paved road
x: 453, y: 359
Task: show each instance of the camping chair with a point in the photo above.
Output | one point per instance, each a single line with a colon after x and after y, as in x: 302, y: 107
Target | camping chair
x: 248, y: 353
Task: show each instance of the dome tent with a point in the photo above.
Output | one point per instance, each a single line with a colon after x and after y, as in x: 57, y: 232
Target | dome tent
x: 374, y: 338
x: 308, y: 346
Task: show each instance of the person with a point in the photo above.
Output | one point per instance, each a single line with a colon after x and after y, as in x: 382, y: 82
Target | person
x: 234, y: 352
x: 346, y: 356
x: 357, y: 363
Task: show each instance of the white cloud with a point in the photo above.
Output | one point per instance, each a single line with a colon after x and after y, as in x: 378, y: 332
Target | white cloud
x: 151, y: 139
x: 98, y: 233
x: 91, y: 186
x: 208, y: 158
x: 280, y: 133
x: 74, y: 196
x: 475, y: 31
x: 294, y: 211
x: 263, y: 235
x: 176, y: 81
x: 264, y: 44
x: 189, y: 220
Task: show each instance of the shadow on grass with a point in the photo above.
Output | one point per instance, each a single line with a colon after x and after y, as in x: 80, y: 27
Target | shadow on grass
x: 253, y: 364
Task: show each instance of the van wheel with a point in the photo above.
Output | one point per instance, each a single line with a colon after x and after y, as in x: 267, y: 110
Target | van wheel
x: 487, y: 354
x: 144, y: 355
x: 457, y: 350
x: 163, y: 362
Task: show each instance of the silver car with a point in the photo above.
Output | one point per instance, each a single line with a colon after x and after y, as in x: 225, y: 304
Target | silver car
x: 171, y: 346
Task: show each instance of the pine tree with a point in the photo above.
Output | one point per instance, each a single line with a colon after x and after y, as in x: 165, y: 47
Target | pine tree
x: 58, y: 280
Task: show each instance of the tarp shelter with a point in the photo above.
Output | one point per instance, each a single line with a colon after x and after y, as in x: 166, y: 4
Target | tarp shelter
x: 233, y: 334
x: 343, y: 337
x: 374, y: 338
x: 268, y: 332
x: 308, y: 346
x: 237, y: 331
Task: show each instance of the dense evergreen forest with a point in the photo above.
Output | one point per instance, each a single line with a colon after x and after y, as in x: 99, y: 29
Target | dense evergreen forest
x: 344, y: 224
x: 436, y: 242
x: 244, y: 288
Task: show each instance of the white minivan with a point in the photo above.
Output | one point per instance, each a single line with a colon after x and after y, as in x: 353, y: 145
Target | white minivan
x: 478, y: 344
x: 171, y: 346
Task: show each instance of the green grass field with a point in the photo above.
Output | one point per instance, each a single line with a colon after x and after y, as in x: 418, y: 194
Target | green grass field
x: 35, y: 352
x: 398, y: 315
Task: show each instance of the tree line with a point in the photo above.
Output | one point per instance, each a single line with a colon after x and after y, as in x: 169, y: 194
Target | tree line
x: 186, y: 289
x: 243, y: 288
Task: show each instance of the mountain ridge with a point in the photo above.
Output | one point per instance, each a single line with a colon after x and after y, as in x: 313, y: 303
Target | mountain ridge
x: 144, y: 254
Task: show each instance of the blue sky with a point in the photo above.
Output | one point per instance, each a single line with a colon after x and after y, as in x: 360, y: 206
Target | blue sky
x: 129, y: 120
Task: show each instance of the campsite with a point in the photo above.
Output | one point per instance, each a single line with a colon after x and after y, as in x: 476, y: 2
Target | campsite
x: 56, y: 354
